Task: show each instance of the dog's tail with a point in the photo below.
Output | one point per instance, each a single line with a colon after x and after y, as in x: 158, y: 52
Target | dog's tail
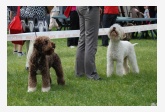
x: 135, y: 44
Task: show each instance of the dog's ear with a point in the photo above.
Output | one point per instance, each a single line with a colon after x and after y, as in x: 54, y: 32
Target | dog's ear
x: 124, y: 35
x: 37, y: 46
x: 109, y: 31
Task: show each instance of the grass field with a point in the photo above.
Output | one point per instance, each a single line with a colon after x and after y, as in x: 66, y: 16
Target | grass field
x: 129, y: 90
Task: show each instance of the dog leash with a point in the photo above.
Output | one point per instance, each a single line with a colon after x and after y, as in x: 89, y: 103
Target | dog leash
x: 35, y: 33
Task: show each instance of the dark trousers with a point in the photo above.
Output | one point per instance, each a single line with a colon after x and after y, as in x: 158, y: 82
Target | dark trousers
x: 74, y: 25
x: 108, y: 20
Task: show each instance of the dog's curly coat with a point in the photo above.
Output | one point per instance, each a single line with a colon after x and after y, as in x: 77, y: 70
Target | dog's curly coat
x: 121, y: 52
x: 43, y: 57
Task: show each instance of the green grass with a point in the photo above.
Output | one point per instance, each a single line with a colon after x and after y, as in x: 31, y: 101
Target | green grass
x: 129, y: 90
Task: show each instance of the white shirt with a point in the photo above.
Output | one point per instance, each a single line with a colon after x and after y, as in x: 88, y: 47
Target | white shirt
x: 146, y: 12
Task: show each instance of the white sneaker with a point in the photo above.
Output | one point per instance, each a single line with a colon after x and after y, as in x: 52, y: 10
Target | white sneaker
x: 72, y: 47
x: 20, y: 54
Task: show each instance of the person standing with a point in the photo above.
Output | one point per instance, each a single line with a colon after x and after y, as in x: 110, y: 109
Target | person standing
x: 74, y: 25
x: 54, y: 12
x: 89, y: 18
x: 109, y: 18
x: 17, y: 47
x: 135, y: 14
x: 146, y: 14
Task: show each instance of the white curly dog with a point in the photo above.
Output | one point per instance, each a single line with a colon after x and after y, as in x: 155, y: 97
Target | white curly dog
x: 121, y: 52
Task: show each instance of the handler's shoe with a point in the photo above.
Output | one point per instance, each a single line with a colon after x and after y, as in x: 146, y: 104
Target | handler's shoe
x: 14, y: 52
x: 20, y: 54
x: 94, y: 76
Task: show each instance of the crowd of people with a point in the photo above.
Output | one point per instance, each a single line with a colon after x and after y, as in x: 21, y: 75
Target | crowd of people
x: 86, y: 18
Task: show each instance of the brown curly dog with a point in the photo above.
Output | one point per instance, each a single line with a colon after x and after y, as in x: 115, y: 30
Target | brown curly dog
x: 43, y: 57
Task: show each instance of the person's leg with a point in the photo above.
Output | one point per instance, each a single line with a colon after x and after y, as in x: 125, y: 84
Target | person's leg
x: 52, y: 21
x: 76, y: 27
x: 20, y: 53
x: 106, y: 24
x: 155, y: 32
x: 48, y: 19
x: 136, y: 34
x: 79, y: 64
x: 112, y: 19
x: 142, y: 35
x: 15, y: 49
x: 146, y: 33
x: 108, y: 21
x: 26, y: 29
x: 56, y: 13
x: 92, y: 19
x: 70, y: 41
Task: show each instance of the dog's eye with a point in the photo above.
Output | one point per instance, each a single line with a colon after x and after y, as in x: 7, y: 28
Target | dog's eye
x: 46, y: 42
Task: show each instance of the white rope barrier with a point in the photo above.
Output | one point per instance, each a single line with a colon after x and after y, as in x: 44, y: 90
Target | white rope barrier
x: 74, y: 33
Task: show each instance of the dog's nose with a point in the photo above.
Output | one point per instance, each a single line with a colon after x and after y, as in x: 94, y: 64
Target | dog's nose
x: 114, y: 28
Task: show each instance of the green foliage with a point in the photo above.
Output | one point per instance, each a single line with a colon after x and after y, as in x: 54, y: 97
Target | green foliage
x: 129, y: 90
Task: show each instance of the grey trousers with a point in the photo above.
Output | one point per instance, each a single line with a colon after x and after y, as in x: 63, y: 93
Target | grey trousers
x: 87, y: 45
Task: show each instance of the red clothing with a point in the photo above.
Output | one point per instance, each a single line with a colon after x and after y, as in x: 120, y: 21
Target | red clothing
x: 73, y: 8
x: 111, y: 10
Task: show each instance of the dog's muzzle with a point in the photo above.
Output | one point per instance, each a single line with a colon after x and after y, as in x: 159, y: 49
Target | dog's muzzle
x: 53, y: 45
x: 50, y: 49
x: 114, y: 32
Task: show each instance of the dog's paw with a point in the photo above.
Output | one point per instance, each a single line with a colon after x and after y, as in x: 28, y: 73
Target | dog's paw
x: 121, y: 75
x: 136, y: 72
x: 45, y: 89
x: 30, y: 89
x: 109, y: 72
x: 61, y: 81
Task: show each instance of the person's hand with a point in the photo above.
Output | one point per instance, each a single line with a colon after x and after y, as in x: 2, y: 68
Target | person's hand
x: 141, y: 13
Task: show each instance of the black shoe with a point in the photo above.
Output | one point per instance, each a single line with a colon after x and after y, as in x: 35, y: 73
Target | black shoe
x: 94, y: 76
x: 104, y: 45
x: 20, y: 54
x: 15, y: 52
